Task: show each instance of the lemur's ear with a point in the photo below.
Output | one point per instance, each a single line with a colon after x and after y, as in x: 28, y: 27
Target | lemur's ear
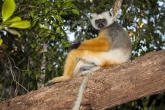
x: 110, y: 13
x: 92, y: 15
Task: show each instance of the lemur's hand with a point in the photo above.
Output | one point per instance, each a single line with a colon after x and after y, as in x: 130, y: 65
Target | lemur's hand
x: 74, y: 46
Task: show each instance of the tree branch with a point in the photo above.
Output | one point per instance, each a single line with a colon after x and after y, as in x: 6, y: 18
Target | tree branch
x: 116, y: 8
x: 106, y: 87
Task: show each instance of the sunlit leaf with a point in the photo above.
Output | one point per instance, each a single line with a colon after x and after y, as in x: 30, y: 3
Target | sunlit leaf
x: 46, y: 27
x: 8, y: 9
x: 63, y: 13
x: 1, y: 41
x: 43, y: 1
x: 33, y: 45
x: 62, y: 33
x: 49, y: 66
x: 75, y: 11
x: 58, y: 18
x: 32, y: 13
x: 66, y: 45
x: 8, y: 22
x: 40, y: 25
x: 33, y: 23
x: 53, y: 37
x: 17, y: 18
x: 68, y: 1
x: 13, y: 31
x: 58, y: 30
x: 68, y: 5
x: 46, y: 10
x: 20, y: 24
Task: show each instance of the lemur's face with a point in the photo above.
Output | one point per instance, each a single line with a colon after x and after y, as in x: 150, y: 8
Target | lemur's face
x: 101, y: 20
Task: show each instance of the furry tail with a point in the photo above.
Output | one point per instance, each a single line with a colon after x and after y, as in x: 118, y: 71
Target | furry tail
x: 80, y: 93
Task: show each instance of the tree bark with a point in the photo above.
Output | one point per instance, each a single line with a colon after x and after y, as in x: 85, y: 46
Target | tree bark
x: 116, y: 8
x: 40, y: 83
x: 106, y: 87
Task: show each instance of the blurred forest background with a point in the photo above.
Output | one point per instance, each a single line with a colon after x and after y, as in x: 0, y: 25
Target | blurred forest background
x: 29, y: 61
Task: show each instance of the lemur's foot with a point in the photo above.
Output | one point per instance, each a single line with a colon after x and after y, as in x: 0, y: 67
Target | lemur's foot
x: 49, y: 83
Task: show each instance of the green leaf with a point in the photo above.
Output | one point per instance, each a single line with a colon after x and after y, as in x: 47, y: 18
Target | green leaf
x: 75, y: 11
x: 33, y: 23
x: 20, y: 24
x: 50, y: 67
x: 46, y: 27
x: 53, y: 37
x: 1, y: 41
x: 17, y: 18
x: 148, y: 3
x: 46, y: 10
x: 66, y: 45
x: 43, y: 1
x: 40, y: 25
x: 32, y: 13
x: 68, y: 5
x: 58, y: 18
x: 33, y: 45
x: 13, y: 31
x: 63, y: 13
x: 8, y: 9
x: 8, y: 22
x: 68, y: 1
x: 62, y: 34
x: 58, y: 30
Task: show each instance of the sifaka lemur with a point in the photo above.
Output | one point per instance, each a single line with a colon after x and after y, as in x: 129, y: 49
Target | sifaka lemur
x: 112, y: 46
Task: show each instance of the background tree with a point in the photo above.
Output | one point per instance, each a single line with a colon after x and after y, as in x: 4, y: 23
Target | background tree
x: 26, y: 63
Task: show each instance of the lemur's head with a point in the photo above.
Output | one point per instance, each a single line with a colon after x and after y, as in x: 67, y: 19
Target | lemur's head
x: 101, y: 20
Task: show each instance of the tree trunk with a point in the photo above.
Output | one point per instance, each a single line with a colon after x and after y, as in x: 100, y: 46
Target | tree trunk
x: 106, y: 87
x: 40, y: 83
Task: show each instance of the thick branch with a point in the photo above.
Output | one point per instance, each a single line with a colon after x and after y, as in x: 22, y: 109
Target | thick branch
x: 106, y: 87
x: 116, y: 8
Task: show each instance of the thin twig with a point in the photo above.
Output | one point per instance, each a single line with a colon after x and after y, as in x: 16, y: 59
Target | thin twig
x: 12, y: 73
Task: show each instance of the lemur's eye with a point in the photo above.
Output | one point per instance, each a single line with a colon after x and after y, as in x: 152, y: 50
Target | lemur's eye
x: 96, y: 21
x: 103, y: 20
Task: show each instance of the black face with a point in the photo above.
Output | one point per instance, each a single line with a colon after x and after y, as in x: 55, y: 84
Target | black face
x: 101, y: 23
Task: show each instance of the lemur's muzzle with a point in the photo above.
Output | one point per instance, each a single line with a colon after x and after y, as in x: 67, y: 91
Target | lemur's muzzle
x: 100, y: 26
x: 101, y: 23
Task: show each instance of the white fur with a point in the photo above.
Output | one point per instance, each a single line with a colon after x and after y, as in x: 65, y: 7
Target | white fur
x: 79, y: 64
x: 80, y: 93
x: 114, y: 56
x: 104, y: 15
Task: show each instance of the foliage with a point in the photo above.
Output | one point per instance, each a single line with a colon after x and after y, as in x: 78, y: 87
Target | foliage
x: 26, y: 52
x: 146, y: 23
x: 51, y: 24
x: 8, y: 9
